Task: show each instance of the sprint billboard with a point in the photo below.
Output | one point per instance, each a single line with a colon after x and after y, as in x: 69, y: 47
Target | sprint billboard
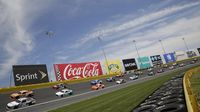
x: 129, y: 64
x: 30, y: 74
x: 114, y: 67
x: 169, y: 57
x: 144, y: 62
x: 156, y: 60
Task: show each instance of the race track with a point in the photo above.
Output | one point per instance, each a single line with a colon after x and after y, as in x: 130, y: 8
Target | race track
x: 46, y: 99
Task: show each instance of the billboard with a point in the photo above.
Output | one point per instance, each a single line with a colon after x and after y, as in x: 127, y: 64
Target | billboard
x: 156, y: 60
x: 180, y: 55
x: 169, y: 57
x: 191, y: 54
x: 30, y: 74
x: 144, y: 62
x: 77, y: 70
x: 198, y: 49
x: 114, y: 67
x: 129, y: 64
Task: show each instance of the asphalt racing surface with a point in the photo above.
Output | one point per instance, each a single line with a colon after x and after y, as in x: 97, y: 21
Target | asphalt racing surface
x: 47, y: 100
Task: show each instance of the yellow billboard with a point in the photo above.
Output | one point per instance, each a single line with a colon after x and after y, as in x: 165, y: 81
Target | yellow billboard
x: 113, y: 67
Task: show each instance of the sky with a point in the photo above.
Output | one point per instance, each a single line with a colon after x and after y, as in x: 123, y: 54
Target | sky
x: 75, y: 25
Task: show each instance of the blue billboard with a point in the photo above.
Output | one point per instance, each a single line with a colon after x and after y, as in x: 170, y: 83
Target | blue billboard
x: 169, y: 57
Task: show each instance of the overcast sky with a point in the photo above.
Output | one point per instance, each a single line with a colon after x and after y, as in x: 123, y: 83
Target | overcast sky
x: 74, y: 26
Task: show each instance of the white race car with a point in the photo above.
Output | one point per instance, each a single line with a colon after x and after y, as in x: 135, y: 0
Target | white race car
x: 133, y: 77
x: 64, y: 92
x: 21, y: 102
x: 120, y: 81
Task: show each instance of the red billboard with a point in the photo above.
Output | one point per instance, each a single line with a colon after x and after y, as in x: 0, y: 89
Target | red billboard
x: 77, y: 70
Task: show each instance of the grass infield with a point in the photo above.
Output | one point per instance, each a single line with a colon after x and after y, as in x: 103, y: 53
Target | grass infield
x: 195, y: 83
x: 123, y: 100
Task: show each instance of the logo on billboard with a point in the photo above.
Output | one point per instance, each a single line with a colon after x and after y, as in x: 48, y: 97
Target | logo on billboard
x: 30, y: 74
x: 156, y: 60
x: 198, y: 50
x: 169, y: 57
x: 144, y: 62
x: 191, y: 54
x: 129, y: 64
x: 113, y: 67
x: 77, y: 71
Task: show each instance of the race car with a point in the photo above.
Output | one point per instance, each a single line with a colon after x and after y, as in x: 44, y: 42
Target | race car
x: 171, y: 67
x: 97, y: 86
x: 160, y: 71
x: 120, y: 81
x: 21, y: 93
x: 59, y: 86
x: 120, y: 75
x: 64, y: 92
x: 94, y: 82
x: 165, y: 66
x: 138, y: 72
x: 133, y: 77
x: 150, y: 73
x: 21, y: 102
x: 150, y: 69
x: 175, y: 64
x: 110, y: 79
x: 181, y: 65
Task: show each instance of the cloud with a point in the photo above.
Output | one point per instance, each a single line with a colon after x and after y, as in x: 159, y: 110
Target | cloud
x: 106, y: 31
x: 171, y: 32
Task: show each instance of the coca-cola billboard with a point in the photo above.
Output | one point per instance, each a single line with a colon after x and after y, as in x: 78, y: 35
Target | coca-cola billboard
x: 77, y: 70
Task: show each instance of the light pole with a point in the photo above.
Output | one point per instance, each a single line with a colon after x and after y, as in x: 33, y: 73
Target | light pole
x: 162, y: 46
x: 185, y: 44
x: 137, y: 51
x: 104, y: 54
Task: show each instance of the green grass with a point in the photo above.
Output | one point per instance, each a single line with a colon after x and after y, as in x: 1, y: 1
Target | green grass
x: 123, y: 100
x: 195, y: 83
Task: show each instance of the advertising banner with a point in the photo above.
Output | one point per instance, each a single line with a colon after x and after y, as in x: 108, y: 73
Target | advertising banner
x: 156, y: 60
x: 114, y: 67
x: 169, y: 57
x: 191, y: 54
x: 129, y: 64
x: 198, y: 49
x: 30, y: 74
x: 77, y: 70
x: 180, y: 55
x: 144, y: 62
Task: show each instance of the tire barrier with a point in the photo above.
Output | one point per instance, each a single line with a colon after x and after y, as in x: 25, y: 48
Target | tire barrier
x: 168, y: 98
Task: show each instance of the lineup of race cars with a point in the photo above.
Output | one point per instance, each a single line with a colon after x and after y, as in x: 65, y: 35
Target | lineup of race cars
x: 26, y: 97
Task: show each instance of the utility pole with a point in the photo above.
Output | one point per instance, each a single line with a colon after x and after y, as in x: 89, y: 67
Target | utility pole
x: 134, y: 41
x: 185, y: 44
x: 104, y: 54
x: 162, y: 46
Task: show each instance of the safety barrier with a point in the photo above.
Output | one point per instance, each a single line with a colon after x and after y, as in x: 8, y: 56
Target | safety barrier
x: 191, y: 101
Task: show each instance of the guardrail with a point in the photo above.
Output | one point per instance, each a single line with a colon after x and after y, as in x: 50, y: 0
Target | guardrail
x: 191, y: 101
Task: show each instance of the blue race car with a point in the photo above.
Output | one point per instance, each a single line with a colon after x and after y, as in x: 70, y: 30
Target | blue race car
x: 110, y: 79
x: 94, y: 82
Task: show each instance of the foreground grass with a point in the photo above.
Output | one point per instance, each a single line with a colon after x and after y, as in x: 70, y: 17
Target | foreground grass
x: 123, y: 100
x: 195, y: 83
